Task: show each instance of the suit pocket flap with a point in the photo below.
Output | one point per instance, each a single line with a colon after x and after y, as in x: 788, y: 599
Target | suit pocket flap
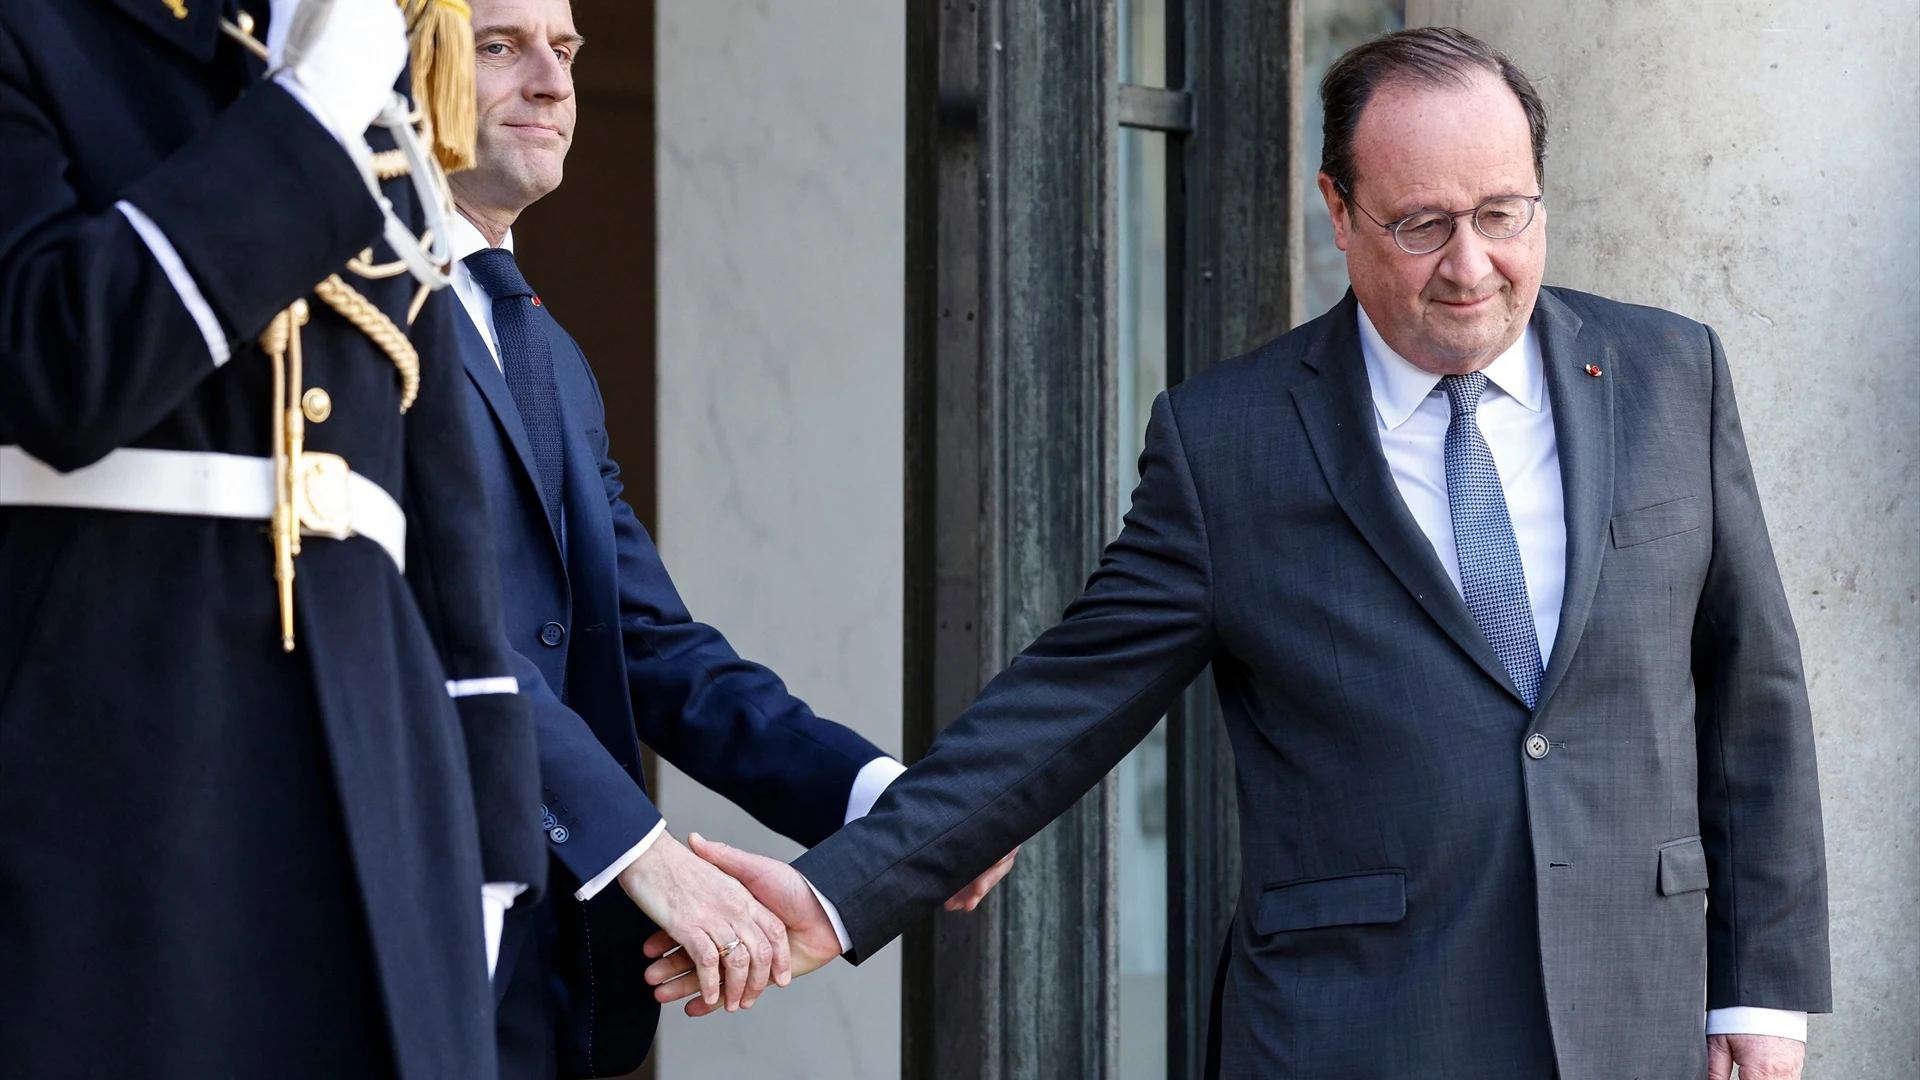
x: 1651, y: 523
x: 1683, y: 867
x: 1343, y: 901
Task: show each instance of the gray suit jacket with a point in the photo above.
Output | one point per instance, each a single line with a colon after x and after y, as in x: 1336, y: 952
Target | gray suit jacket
x: 1422, y: 896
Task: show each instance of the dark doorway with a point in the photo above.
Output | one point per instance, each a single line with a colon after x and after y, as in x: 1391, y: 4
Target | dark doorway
x: 591, y: 244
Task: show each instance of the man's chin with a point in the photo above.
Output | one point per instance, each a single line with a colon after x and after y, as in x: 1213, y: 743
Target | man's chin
x: 1466, y: 333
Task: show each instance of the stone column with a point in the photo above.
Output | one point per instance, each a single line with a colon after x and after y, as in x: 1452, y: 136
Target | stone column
x: 780, y: 222
x: 1754, y: 166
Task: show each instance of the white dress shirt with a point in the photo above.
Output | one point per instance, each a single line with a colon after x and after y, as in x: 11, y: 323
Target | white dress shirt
x: 1515, y: 416
x: 1517, y: 420
x: 465, y: 238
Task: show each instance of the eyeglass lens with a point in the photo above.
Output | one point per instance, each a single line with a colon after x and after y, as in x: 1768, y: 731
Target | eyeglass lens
x: 1495, y: 219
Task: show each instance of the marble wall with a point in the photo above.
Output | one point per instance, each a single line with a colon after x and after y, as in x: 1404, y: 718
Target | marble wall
x: 780, y: 427
x: 1753, y: 166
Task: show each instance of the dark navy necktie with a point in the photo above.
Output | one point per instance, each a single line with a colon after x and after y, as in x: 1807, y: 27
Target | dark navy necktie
x: 1491, y: 575
x: 526, y: 358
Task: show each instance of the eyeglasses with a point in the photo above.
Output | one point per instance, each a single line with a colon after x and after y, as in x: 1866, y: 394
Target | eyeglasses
x: 1424, y: 232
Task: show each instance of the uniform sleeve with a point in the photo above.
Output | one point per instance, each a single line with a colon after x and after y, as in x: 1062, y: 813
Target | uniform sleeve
x: 1759, y: 789
x: 454, y: 574
x: 1045, y: 730
x: 97, y: 340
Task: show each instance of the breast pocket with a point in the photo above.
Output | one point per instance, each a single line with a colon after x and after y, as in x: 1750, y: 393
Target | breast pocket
x: 1352, y: 900
x: 1659, y: 521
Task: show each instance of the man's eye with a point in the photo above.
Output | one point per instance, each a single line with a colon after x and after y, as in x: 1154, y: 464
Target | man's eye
x: 494, y: 48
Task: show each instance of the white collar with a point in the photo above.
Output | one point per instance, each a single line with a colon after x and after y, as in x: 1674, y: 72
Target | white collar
x: 464, y: 238
x: 1399, y: 387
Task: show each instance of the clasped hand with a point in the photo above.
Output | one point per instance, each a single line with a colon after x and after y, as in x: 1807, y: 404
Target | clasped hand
x: 808, y: 941
x: 732, y: 943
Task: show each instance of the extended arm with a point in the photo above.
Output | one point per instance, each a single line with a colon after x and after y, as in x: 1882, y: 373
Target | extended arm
x: 1047, y: 729
x: 729, y: 723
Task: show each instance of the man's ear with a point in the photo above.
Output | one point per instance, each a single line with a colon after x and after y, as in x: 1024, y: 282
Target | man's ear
x: 1337, y: 211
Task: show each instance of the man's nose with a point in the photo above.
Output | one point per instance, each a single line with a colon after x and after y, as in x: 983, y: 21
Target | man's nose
x: 550, y: 79
x: 1467, y: 258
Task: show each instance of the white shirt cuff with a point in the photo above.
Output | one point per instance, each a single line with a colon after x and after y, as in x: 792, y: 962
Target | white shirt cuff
x: 495, y: 898
x: 833, y: 916
x: 180, y: 279
x: 605, y: 877
x: 870, y: 784
x: 1747, y: 1020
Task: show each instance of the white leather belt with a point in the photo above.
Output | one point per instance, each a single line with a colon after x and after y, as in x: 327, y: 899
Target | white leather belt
x: 196, y: 483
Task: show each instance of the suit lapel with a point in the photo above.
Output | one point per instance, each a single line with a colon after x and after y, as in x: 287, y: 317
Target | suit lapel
x: 485, y: 373
x: 1583, y: 432
x: 1337, y: 409
x: 192, y: 25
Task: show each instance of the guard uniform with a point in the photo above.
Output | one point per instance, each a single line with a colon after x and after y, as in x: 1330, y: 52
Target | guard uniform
x: 220, y: 858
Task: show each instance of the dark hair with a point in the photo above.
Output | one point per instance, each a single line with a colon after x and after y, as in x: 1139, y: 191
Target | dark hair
x: 1426, y: 56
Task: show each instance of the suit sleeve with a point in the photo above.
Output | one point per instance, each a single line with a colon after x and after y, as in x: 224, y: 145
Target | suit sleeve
x: 599, y: 810
x: 98, y: 344
x: 454, y: 574
x: 1045, y: 730
x: 1759, y: 789
x: 728, y: 723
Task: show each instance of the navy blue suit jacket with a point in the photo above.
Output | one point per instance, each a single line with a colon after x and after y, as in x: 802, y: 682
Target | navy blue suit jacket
x: 611, y: 659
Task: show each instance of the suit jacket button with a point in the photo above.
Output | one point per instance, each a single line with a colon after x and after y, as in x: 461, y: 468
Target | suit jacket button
x: 1536, y: 746
x: 552, y: 634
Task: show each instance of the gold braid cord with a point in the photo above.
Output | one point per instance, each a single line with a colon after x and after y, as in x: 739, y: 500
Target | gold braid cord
x: 390, y: 164
x: 374, y: 323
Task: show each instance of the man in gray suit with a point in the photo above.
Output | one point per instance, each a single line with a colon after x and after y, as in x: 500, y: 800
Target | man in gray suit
x: 1526, y: 770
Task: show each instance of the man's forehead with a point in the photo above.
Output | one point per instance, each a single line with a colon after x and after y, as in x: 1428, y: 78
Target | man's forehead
x: 552, y: 17
x: 1416, y: 140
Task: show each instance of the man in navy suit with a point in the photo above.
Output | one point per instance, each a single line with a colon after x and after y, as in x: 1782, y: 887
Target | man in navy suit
x: 605, y: 649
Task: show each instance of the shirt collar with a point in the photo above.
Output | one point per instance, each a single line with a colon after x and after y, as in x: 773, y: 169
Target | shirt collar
x: 1399, y: 387
x: 464, y: 237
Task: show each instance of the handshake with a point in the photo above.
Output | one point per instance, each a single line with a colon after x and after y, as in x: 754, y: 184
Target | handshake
x: 732, y: 921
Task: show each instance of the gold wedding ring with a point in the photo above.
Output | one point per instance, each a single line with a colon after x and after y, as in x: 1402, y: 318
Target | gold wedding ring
x: 724, y: 950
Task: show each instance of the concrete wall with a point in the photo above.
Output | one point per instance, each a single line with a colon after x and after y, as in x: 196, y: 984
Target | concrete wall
x: 780, y: 424
x: 1754, y: 166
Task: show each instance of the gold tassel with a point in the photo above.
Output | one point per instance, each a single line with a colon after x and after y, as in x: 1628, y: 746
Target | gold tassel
x: 440, y: 33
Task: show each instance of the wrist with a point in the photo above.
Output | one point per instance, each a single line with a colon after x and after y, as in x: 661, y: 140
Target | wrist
x: 639, y: 878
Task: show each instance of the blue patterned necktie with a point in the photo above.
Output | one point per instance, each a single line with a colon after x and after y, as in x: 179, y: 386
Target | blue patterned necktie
x: 526, y: 358
x: 1491, y: 575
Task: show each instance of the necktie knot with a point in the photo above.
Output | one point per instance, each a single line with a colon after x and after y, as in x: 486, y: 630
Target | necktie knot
x: 496, y: 273
x: 1463, y: 392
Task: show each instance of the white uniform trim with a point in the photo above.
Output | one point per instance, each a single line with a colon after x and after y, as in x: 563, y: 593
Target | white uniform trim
x: 195, y: 483
x: 498, y: 684
x: 182, y: 281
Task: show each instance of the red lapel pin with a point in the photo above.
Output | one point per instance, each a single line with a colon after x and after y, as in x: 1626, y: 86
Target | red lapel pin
x: 536, y: 303
x: 1591, y: 369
